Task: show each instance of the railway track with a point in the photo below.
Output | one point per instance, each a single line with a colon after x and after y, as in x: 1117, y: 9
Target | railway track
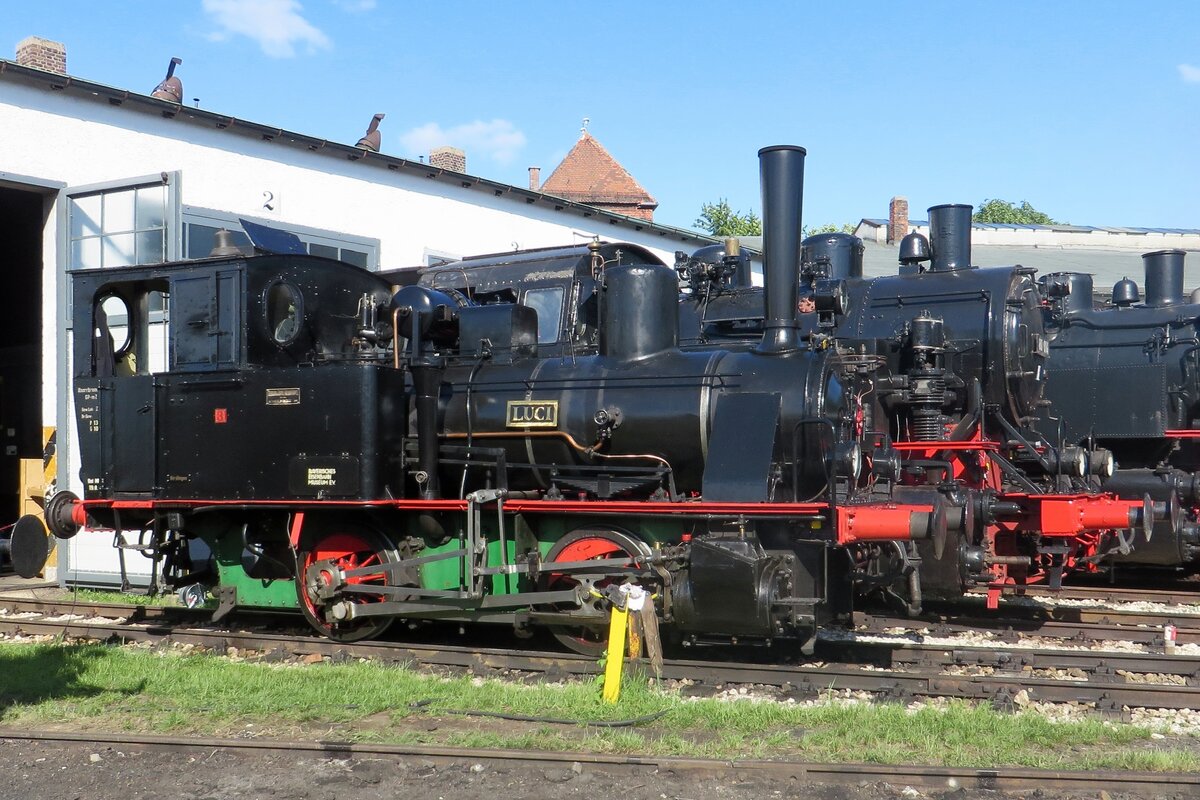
x: 1002, y: 779
x: 1181, y: 593
x: 892, y: 668
x: 1134, y: 628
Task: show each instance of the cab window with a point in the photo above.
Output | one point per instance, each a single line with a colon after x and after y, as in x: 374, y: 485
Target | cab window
x: 548, y: 304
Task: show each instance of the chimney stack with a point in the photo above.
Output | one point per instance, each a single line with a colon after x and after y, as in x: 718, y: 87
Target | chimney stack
x: 781, y: 171
x: 450, y: 158
x: 535, y: 178
x: 1164, y: 277
x: 897, y: 220
x: 950, y: 237
x: 39, y: 53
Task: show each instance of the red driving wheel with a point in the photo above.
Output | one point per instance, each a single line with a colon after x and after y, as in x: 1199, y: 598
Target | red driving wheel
x: 348, y: 550
x: 586, y: 545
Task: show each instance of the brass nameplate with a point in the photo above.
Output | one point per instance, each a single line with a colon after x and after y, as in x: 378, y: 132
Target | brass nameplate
x: 283, y: 397
x: 532, y: 414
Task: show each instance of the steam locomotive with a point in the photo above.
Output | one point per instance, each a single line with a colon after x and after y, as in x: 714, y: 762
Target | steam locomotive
x: 365, y: 456
x: 1125, y: 376
x: 468, y: 449
x: 1069, y: 389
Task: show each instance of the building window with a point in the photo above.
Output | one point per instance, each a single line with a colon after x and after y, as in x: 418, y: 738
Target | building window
x: 436, y: 258
x: 199, y: 240
x: 119, y: 226
x: 200, y: 226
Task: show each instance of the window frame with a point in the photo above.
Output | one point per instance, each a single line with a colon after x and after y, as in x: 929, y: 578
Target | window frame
x: 436, y: 258
x: 170, y: 181
x: 558, y: 321
x: 223, y: 219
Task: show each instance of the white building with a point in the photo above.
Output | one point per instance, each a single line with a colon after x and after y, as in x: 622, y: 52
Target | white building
x: 1107, y: 253
x: 93, y: 176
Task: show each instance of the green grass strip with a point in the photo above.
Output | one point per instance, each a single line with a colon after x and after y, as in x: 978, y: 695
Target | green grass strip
x: 107, y: 688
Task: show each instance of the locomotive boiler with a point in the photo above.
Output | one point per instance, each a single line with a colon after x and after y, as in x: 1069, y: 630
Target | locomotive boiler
x: 365, y: 456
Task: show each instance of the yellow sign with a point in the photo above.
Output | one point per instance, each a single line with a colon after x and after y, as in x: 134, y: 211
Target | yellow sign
x: 532, y: 414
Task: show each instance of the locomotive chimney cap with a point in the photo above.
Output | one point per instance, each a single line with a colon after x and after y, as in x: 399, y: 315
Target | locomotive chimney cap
x: 774, y: 147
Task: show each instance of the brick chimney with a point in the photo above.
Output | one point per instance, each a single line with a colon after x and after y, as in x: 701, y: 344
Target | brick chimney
x: 39, y: 53
x: 535, y: 178
x: 897, y: 220
x: 450, y: 158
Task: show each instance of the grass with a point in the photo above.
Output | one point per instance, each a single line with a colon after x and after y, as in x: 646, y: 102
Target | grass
x: 128, y: 598
x: 100, y: 687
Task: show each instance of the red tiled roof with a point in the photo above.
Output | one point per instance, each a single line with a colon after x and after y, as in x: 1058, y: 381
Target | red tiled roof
x: 590, y: 175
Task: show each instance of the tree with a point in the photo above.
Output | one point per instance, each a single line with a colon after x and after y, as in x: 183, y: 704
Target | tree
x: 721, y: 220
x: 1004, y: 211
x: 828, y: 228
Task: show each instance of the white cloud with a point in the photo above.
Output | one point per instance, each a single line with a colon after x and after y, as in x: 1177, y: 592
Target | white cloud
x: 497, y: 139
x: 1189, y: 73
x: 276, y: 25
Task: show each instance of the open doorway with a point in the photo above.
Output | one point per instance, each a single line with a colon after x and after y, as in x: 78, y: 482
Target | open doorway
x: 23, y: 214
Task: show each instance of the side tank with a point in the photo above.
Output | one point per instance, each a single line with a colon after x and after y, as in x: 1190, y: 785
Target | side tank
x: 643, y: 402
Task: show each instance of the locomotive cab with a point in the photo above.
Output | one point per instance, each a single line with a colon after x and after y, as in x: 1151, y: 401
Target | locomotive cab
x: 186, y: 366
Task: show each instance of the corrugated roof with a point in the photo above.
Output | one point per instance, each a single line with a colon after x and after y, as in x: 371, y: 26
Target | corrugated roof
x: 1106, y: 266
x: 1058, y: 227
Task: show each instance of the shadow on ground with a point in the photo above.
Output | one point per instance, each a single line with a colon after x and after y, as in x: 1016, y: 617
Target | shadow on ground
x: 49, y: 672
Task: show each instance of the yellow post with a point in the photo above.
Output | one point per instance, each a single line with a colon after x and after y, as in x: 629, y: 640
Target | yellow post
x: 616, y: 654
x: 49, y: 476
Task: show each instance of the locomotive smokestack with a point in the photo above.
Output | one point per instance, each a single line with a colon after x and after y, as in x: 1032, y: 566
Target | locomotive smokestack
x: 781, y: 169
x: 1164, y: 277
x: 950, y: 237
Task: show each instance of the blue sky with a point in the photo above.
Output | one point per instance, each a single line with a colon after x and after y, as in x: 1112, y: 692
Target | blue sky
x: 1088, y: 110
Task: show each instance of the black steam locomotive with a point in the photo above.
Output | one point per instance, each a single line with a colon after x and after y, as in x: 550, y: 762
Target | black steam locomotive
x: 488, y: 453
x: 477, y: 448
x: 1055, y: 391
x: 1126, y: 376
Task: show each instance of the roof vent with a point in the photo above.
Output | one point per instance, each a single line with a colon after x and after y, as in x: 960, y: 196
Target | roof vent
x: 171, y: 88
x: 371, y: 139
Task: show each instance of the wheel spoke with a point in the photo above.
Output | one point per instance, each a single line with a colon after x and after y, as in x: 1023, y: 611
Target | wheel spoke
x: 587, y: 546
x: 349, y: 551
